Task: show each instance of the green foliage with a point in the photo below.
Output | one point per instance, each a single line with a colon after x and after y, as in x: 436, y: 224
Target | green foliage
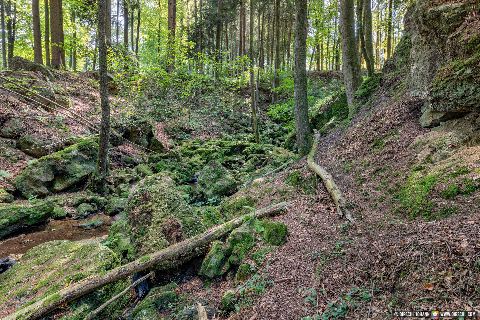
x: 244, y: 271
x: 274, y: 233
x: 367, y: 88
x: 414, y: 196
x: 330, y: 113
x: 119, y: 240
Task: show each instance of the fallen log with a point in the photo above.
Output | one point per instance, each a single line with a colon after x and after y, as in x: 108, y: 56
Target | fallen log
x: 164, y: 259
x: 329, y: 182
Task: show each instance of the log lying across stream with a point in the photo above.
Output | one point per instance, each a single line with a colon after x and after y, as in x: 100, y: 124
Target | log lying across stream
x: 165, y: 259
x: 329, y: 182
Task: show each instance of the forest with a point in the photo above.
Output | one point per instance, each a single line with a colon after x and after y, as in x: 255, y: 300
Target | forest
x: 239, y: 159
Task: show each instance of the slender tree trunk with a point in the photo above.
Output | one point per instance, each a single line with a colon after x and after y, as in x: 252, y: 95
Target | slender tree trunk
x: 105, y: 124
x: 241, y: 51
x: 368, y: 34
x: 95, y: 53
x: 117, y: 22
x: 303, y: 132
x: 137, y: 39
x: 37, y: 32
x: 359, y: 31
x: 47, y: 33
x: 261, y: 59
x: 252, y: 79
x: 218, y: 35
x: 172, y: 25
x: 289, y: 39
x: 108, y: 23
x: 351, y: 67
x: 125, y: 24
x: 58, y: 41
x: 389, y: 28
x: 75, y: 40
x: 4, y: 40
x: 132, y: 27
x: 276, y: 78
x: 11, y: 23
x: 378, y: 39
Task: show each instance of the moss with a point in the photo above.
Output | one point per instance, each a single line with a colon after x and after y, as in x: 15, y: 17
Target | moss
x: 51, y: 266
x: 215, y: 263
x: 59, y: 213
x: 244, y: 271
x: 59, y: 171
x: 115, y: 205
x: 237, y: 206
x: 159, y: 216
x: 143, y: 170
x: 210, y: 216
x: 415, y: 195
x: 119, y: 240
x: 158, y: 300
x: 86, y: 209
x: 5, y: 197
x: 214, y: 182
x: 334, y: 112
x: 239, y: 243
x: 367, y: 88
x: 229, y: 299
x: 456, y: 86
x: 306, y: 183
x: 16, y: 216
x: 274, y: 233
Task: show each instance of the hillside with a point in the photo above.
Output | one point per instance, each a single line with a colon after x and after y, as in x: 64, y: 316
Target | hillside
x: 199, y: 220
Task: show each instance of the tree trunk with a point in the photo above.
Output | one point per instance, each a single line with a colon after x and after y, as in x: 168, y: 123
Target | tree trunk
x: 47, y: 33
x: 37, y: 33
x: 368, y: 34
x: 241, y: 50
x: 74, y: 45
x: 172, y: 24
x: 276, y: 77
x: 164, y: 259
x: 261, y: 26
x: 389, y: 28
x: 252, y: 79
x: 132, y: 27
x: 117, y: 23
x: 58, y: 38
x: 218, y: 34
x: 125, y: 24
x: 108, y: 23
x: 105, y: 123
x: 11, y: 24
x: 301, y: 102
x: 351, y: 67
x: 137, y: 39
x: 4, y: 40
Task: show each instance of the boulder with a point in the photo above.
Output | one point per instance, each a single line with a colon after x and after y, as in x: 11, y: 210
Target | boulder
x: 59, y: 171
x: 21, y: 64
x: 17, y: 216
x: 214, y: 182
x: 52, y: 266
x: 159, y: 215
x: 6, y: 263
x: 34, y: 146
x: 5, y: 197
x: 12, y: 128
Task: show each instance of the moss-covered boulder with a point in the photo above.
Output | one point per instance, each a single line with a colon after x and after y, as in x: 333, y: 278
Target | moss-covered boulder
x: 17, y: 216
x: 12, y: 128
x: 239, y: 243
x: 159, y: 215
x: 228, y: 302
x: 215, y: 182
x: 49, y: 267
x: 34, y: 146
x: 115, y: 205
x: 274, y: 233
x: 59, y: 171
x: 215, y: 263
x: 5, y: 197
x: 159, y: 299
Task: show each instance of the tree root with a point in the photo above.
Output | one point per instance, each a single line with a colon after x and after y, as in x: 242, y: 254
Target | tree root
x: 164, y: 259
x: 329, y: 182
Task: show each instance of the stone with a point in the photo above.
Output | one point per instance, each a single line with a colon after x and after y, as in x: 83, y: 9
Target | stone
x: 6, y: 263
x: 215, y: 181
x: 17, y: 216
x: 215, y: 263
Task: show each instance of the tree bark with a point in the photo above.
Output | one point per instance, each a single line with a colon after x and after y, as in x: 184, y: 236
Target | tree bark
x: 368, y: 34
x: 75, y: 40
x: 11, y: 25
x: 172, y: 25
x: 165, y: 259
x: 218, y: 34
x: 108, y: 23
x: 241, y: 49
x: 137, y: 39
x: 37, y: 33
x: 253, y: 101
x: 4, y: 40
x: 351, y: 66
x: 276, y: 77
x: 102, y: 166
x: 303, y: 132
x: 125, y: 24
x: 47, y: 33
x: 117, y: 23
x: 58, y: 38
x: 389, y: 28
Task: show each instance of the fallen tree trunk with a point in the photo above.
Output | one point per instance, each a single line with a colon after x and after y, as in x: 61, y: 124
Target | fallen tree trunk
x: 161, y: 260
x: 329, y: 182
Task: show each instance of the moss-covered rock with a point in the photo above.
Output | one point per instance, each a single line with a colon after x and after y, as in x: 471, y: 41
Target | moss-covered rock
x: 86, y: 209
x: 119, y: 240
x: 215, y: 182
x: 159, y: 215
x: 229, y: 299
x: 60, y: 170
x: 59, y: 213
x: 17, y: 216
x: 244, y: 271
x: 5, y: 197
x: 159, y: 299
x: 274, y: 233
x: 34, y: 146
x: 237, y: 206
x: 51, y: 266
x: 215, y: 263
x: 115, y: 205
x: 239, y: 243
x: 12, y: 128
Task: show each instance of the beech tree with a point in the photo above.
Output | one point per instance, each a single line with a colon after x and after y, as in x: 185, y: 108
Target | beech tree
x: 37, y: 33
x: 303, y: 132
x: 4, y: 40
x: 351, y: 63
x: 57, y: 34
